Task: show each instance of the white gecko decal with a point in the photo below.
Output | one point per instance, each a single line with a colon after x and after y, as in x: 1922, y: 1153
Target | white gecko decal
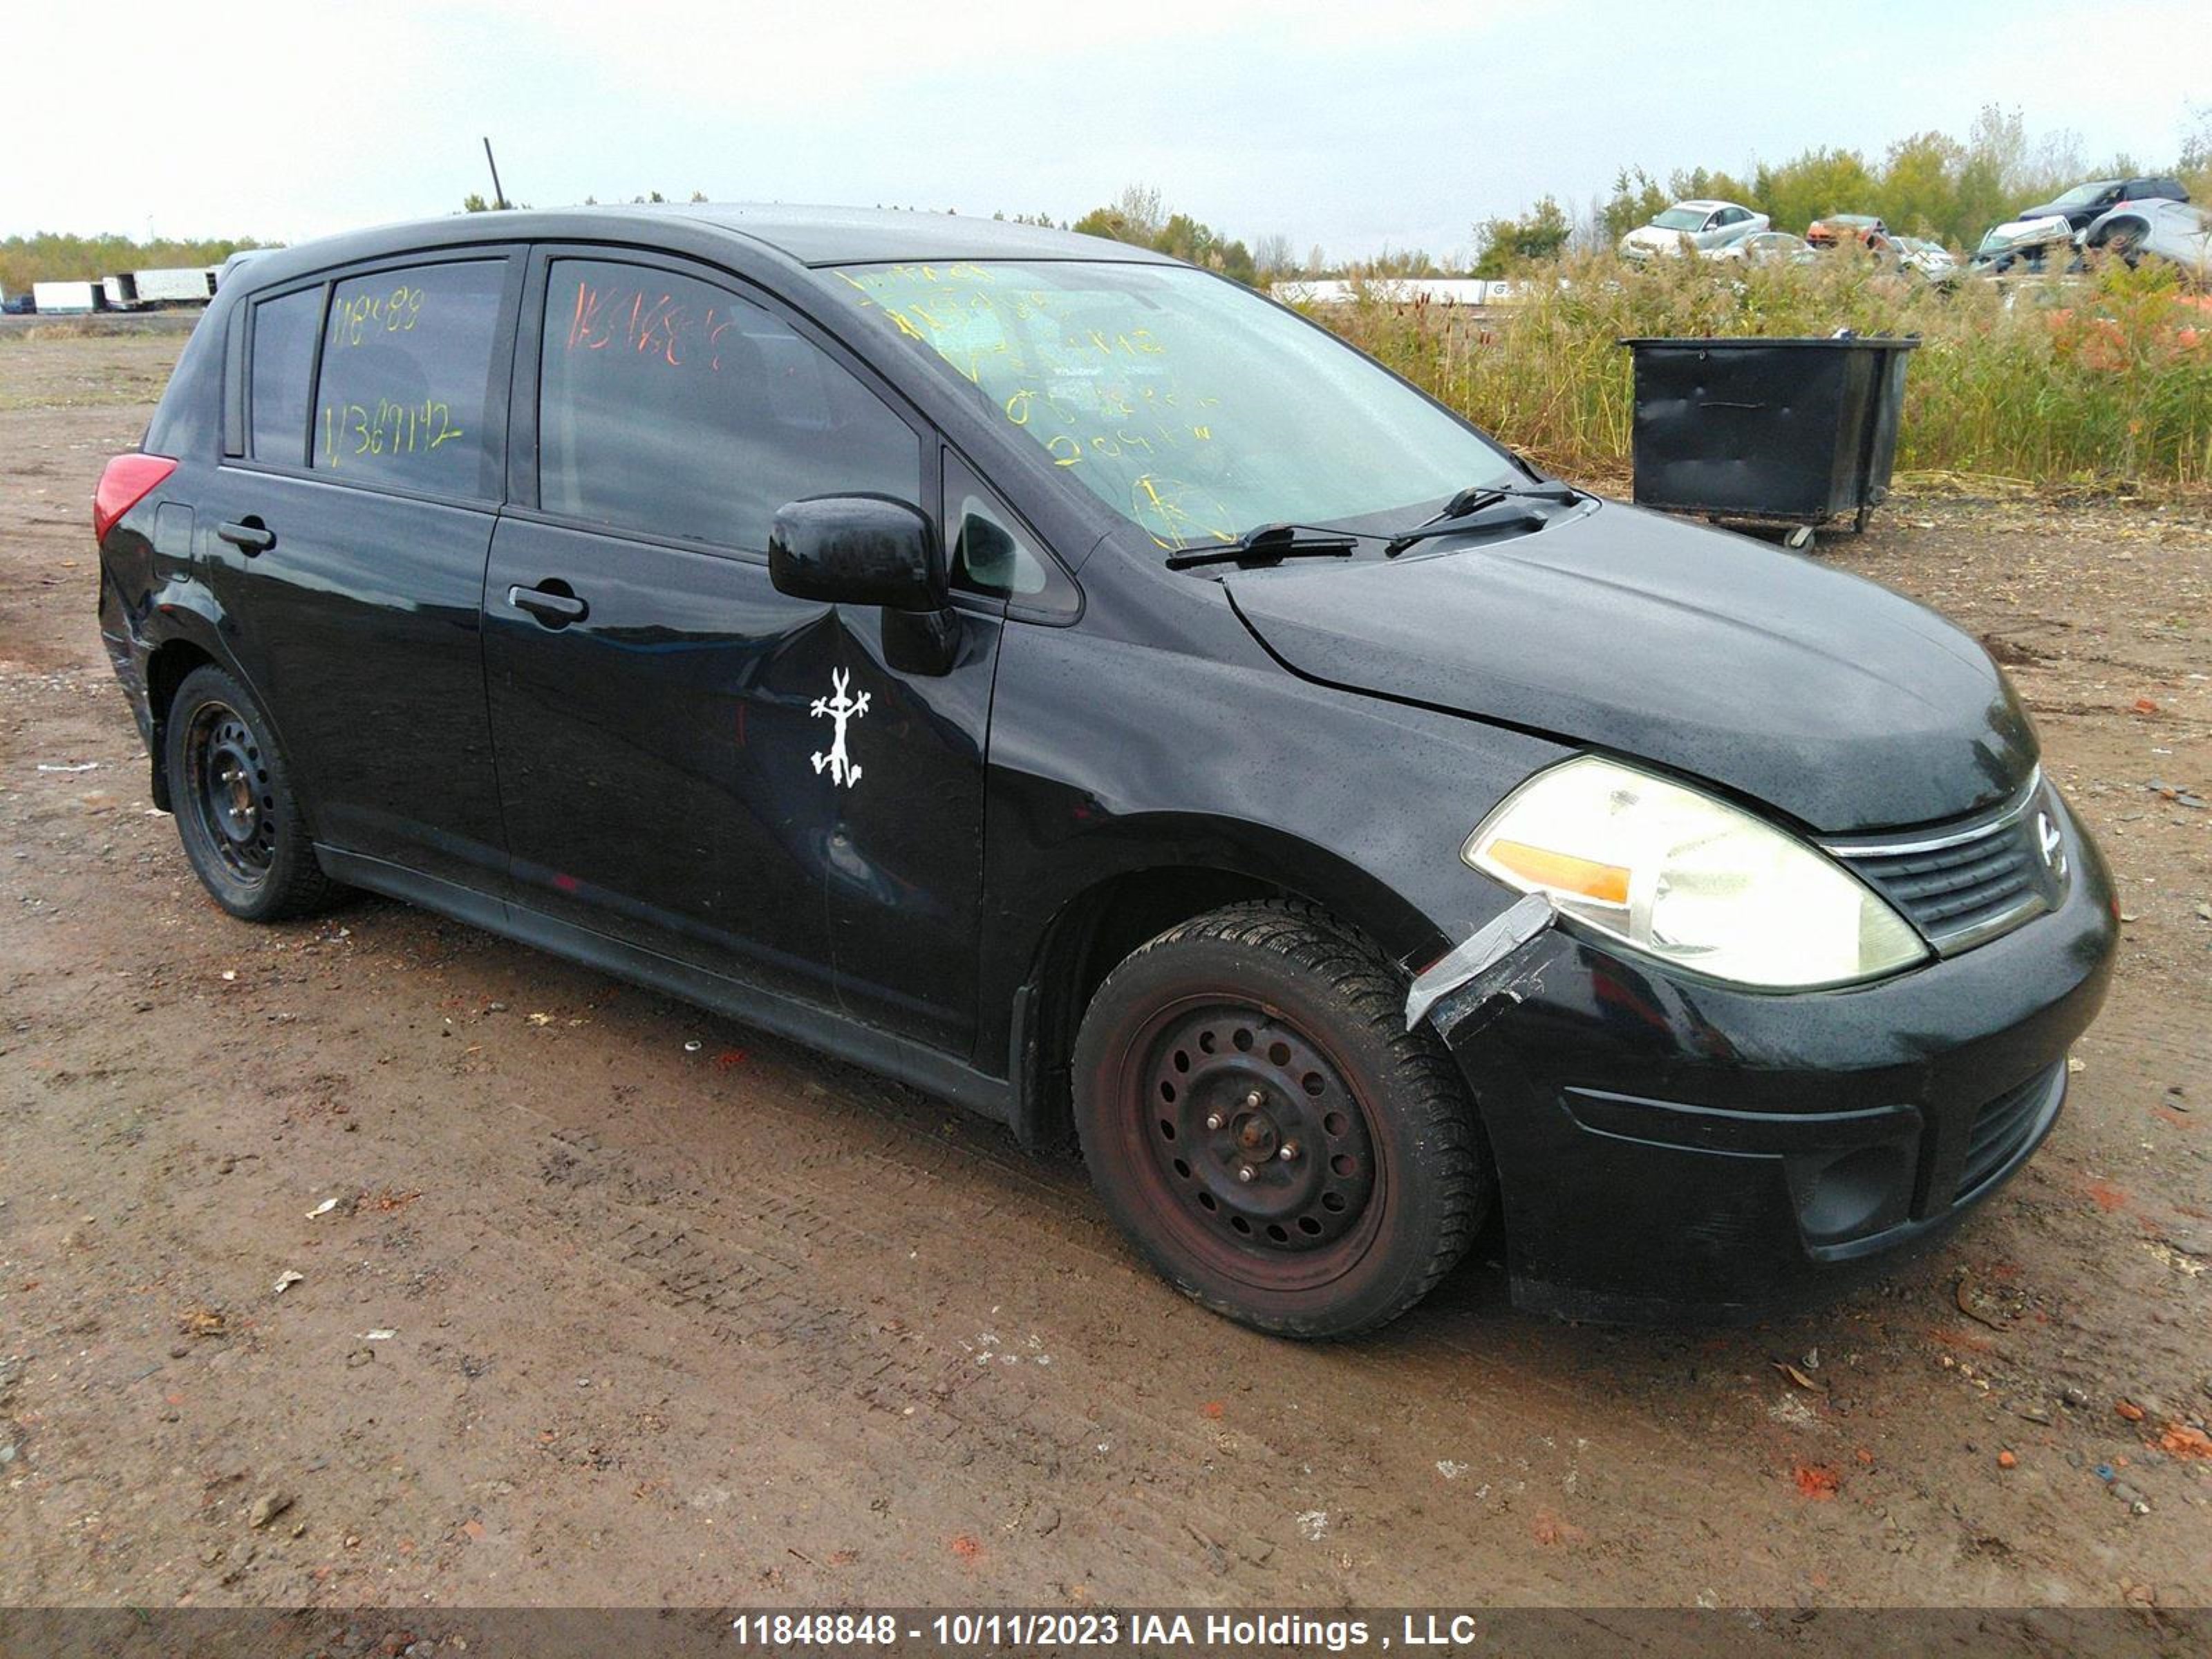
x: 842, y: 706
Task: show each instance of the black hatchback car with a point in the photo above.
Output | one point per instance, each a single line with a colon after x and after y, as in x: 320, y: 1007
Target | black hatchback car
x: 1063, y: 679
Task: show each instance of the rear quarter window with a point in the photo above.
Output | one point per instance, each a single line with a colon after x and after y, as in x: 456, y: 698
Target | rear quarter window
x: 405, y: 385
x: 283, y: 365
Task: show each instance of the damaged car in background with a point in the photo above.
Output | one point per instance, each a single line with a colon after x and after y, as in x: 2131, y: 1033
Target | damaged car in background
x: 2177, y: 231
x: 1765, y: 247
x: 2079, y: 206
x: 1928, y: 260
x: 1056, y: 677
x: 2035, y: 245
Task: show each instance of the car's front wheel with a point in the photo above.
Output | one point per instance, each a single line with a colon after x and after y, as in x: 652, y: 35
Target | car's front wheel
x: 1259, y: 1121
x: 237, y: 813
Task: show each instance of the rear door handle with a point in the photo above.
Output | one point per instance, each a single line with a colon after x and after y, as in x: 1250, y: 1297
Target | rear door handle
x: 248, y: 535
x: 551, y: 606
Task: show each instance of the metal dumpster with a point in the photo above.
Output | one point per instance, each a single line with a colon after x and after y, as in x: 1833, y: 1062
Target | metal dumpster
x: 1797, y: 431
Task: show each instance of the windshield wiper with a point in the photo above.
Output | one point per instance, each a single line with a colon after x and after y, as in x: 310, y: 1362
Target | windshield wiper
x: 1479, y: 498
x: 1268, y: 543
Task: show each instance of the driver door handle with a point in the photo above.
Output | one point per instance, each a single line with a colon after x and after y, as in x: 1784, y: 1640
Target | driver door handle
x: 555, y: 609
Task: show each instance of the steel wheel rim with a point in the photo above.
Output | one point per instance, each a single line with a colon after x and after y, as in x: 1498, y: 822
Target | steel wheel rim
x: 1212, y: 1165
x: 228, y: 791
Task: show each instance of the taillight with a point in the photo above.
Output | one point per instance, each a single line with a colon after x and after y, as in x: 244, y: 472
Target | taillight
x: 123, y: 486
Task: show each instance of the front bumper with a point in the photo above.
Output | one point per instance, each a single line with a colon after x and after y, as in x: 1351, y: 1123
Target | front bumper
x: 1672, y: 1148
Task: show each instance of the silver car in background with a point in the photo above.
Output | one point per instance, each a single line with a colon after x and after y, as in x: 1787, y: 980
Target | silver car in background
x: 2179, y: 231
x: 1765, y: 247
x: 1697, y: 227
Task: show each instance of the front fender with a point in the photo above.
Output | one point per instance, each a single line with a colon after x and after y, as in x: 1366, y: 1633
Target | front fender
x: 1109, y: 758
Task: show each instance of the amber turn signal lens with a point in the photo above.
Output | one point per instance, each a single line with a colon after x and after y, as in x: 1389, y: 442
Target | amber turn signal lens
x: 1606, y: 883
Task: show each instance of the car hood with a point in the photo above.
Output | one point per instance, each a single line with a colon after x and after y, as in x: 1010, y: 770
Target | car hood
x: 1828, y: 698
x: 2044, y: 228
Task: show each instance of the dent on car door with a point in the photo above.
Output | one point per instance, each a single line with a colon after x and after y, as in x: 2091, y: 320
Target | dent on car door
x: 689, y: 760
x: 346, y: 548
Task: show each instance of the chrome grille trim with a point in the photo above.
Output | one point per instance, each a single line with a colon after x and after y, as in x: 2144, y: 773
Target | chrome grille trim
x: 1845, y: 847
x: 1962, y: 885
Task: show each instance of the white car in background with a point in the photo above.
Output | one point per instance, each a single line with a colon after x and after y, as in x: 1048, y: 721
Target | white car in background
x: 1930, y: 261
x: 1700, y: 226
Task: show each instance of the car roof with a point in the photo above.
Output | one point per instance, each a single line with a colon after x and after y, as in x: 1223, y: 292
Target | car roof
x: 808, y: 235
x: 845, y: 235
x: 1701, y: 202
x: 813, y: 237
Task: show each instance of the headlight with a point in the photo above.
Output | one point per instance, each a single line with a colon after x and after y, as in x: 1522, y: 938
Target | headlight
x: 1689, y: 878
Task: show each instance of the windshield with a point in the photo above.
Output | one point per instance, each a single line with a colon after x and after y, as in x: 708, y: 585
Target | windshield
x: 1679, y: 219
x: 1185, y: 403
x: 2083, y: 195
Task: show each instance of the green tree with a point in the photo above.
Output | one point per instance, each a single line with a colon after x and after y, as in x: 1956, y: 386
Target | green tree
x: 53, y: 257
x: 1539, y: 234
x: 1637, y: 196
x: 2195, y: 164
x: 1918, y: 191
x: 1137, y: 217
x: 1794, y: 193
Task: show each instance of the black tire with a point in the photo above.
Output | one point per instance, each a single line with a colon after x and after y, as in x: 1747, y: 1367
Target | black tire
x: 237, y: 813
x: 1383, y: 1182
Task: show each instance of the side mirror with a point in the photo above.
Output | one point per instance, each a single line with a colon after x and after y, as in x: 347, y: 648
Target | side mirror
x: 857, y: 549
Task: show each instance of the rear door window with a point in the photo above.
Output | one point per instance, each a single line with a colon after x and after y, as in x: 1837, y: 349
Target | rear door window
x: 670, y: 406
x: 283, y: 365
x: 405, y: 385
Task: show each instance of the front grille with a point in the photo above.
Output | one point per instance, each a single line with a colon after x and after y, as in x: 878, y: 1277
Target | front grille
x: 1964, y: 885
x: 2004, y: 1126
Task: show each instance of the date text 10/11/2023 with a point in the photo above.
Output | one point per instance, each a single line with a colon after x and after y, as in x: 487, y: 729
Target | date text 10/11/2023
x: 1272, y: 1632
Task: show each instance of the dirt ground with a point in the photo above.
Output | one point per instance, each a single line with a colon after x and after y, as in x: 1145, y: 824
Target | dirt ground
x: 618, y: 1303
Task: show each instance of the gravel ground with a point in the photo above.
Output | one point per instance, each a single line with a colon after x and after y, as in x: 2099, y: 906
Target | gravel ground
x: 586, y: 1316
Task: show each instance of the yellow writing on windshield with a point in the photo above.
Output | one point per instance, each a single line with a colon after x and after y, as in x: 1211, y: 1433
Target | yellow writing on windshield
x: 1105, y: 398
x: 1175, y: 513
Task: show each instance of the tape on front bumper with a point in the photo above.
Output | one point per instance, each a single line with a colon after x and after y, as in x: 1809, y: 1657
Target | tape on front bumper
x: 1481, y: 951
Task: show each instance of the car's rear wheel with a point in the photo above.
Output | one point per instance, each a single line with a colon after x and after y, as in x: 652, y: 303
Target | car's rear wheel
x: 1259, y: 1121
x: 237, y: 815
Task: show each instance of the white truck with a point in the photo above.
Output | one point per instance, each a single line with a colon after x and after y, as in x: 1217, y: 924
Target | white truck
x: 65, y: 299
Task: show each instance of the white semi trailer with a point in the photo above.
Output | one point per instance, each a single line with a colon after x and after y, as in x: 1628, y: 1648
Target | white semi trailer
x: 64, y: 298
x: 166, y: 285
x: 174, y: 285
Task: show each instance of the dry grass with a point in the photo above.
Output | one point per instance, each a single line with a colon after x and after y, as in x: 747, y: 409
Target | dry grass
x: 2099, y: 381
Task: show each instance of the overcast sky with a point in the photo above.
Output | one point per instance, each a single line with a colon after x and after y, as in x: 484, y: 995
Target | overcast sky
x: 1353, y: 125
